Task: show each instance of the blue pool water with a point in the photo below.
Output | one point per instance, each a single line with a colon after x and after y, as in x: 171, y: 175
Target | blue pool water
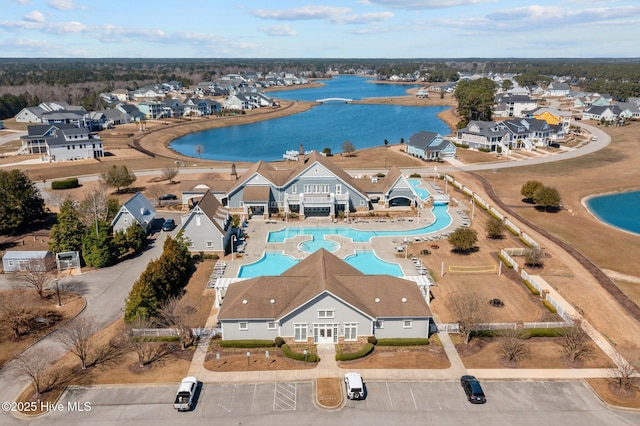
x: 368, y: 263
x: 619, y: 210
x: 271, y: 263
x: 440, y: 212
x: 317, y: 243
x: 422, y: 193
x: 275, y: 263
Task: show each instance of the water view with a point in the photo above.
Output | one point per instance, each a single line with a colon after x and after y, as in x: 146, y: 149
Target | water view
x: 324, y: 126
x: 619, y: 210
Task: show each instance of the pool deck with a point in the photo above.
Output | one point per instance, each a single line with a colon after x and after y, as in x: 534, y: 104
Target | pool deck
x: 384, y: 247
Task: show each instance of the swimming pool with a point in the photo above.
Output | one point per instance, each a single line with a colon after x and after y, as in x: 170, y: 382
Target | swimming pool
x: 271, y: 263
x: 317, y: 243
x: 422, y: 193
x: 274, y: 263
x: 368, y: 263
x: 440, y: 211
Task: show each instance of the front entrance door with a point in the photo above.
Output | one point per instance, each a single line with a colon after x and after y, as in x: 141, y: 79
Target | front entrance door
x: 325, y: 333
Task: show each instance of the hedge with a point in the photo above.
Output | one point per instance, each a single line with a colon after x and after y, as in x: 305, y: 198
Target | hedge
x: 350, y: 356
x: 543, y: 332
x: 504, y: 261
x: 247, y: 343
x: 550, y: 307
x: 65, y: 183
x: 289, y: 353
x: 416, y: 341
x: 531, y: 288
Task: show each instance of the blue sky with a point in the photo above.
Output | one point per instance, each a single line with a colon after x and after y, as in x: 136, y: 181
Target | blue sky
x: 326, y: 29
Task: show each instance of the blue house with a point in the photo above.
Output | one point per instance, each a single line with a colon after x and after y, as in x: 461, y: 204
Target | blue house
x: 430, y: 146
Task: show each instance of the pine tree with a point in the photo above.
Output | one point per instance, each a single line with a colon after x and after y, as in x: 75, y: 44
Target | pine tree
x: 66, y: 235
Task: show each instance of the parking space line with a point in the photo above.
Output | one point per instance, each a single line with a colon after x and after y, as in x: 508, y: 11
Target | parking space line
x: 389, y: 393
x: 253, y: 402
x: 413, y: 398
x: 284, y: 397
x: 226, y: 397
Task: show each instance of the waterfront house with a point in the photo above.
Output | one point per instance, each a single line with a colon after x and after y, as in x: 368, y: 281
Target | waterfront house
x: 207, y: 227
x: 61, y: 142
x: 430, y: 146
x: 516, y: 104
x: 135, y: 210
x: 483, y: 135
x: 322, y: 300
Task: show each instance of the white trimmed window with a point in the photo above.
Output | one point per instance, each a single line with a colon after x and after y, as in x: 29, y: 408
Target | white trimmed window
x: 350, y: 331
x: 294, y: 189
x: 243, y: 326
x: 300, y: 332
x: 271, y: 325
x: 209, y: 244
x: 407, y: 324
x: 328, y: 313
x: 380, y: 324
x: 198, y: 223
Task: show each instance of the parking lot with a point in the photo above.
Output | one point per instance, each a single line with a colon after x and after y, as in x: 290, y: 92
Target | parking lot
x: 512, y: 402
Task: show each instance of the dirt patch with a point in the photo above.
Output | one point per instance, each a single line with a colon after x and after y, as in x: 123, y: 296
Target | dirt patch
x: 236, y: 359
x: 329, y: 392
x: 430, y: 356
x: 542, y: 352
x: 610, y: 393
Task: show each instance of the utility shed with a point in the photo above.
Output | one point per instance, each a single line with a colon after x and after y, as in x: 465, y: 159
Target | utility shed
x: 37, y: 261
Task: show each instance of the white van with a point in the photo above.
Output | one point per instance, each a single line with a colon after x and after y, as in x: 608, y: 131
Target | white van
x: 594, y: 138
x: 355, y: 387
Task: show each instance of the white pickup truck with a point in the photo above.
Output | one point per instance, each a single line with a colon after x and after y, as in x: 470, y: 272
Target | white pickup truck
x: 186, y: 392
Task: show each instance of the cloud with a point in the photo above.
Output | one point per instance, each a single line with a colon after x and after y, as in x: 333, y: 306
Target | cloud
x: 23, y: 1
x: 34, y: 16
x: 279, y: 31
x: 63, y: 5
x: 336, y: 15
x: 427, y: 4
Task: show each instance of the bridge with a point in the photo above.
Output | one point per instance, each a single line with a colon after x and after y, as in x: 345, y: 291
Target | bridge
x: 345, y: 100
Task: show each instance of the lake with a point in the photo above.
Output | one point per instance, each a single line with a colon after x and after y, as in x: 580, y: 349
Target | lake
x: 620, y: 210
x: 324, y: 126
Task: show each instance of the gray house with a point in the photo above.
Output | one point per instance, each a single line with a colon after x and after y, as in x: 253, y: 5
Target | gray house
x: 136, y: 210
x: 208, y: 228
x: 37, y: 261
x: 323, y: 299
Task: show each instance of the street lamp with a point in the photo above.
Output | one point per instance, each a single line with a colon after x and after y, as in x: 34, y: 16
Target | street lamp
x: 305, y: 355
x: 435, y: 173
x: 248, y: 357
x: 58, y: 292
x: 233, y: 238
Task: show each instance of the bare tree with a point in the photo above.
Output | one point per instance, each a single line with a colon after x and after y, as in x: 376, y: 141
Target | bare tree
x: 575, y: 341
x: 469, y: 311
x: 348, y: 148
x: 33, y: 275
x: 534, y: 257
x: 76, y: 336
x: 199, y: 149
x: 512, y: 346
x: 170, y: 173
x: 173, y: 314
x: 624, y: 372
x: 156, y: 191
x: 17, y: 313
x: 34, y: 366
x: 147, y: 350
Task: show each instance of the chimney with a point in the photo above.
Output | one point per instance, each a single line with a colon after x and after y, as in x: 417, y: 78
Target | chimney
x: 301, y: 154
x: 233, y: 171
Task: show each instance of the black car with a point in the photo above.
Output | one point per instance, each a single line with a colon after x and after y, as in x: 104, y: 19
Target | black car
x: 168, y: 197
x: 168, y: 225
x: 472, y: 388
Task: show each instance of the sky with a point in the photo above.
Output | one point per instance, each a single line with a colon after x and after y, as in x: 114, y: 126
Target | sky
x: 319, y: 29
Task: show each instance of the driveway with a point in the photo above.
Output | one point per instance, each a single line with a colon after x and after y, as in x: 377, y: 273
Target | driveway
x: 443, y: 403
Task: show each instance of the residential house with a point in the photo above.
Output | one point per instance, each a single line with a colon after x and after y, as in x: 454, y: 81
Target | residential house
x: 207, y: 227
x: 629, y: 110
x: 121, y: 95
x: 324, y: 300
x: 135, y: 210
x: 132, y: 111
x: 34, y: 261
x: 483, y: 135
x: 527, y: 133
x: 29, y: 115
x: 152, y: 109
x: 61, y: 142
x: 430, y: 146
x: 516, y: 104
x: 606, y: 113
x: 239, y: 101
x: 558, y: 89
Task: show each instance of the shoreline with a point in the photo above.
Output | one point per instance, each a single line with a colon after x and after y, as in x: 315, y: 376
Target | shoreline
x: 584, y: 201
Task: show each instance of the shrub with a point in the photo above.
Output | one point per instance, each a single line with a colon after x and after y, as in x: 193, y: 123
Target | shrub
x: 350, y: 356
x: 65, y: 183
x: 531, y: 288
x: 504, y: 261
x: 247, y: 343
x: 543, y: 332
x: 278, y: 342
x: 373, y: 340
x: 416, y: 341
x: 415, y: 175
x: 550, y: 307
x: 289, y: 353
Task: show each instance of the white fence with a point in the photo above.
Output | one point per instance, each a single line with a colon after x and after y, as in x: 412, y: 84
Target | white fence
x: 174, y: 332
x: 455, y: 328
x: 509, y: 260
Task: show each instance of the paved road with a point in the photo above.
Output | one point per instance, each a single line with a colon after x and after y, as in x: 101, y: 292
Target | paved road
x: 387, y: 403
